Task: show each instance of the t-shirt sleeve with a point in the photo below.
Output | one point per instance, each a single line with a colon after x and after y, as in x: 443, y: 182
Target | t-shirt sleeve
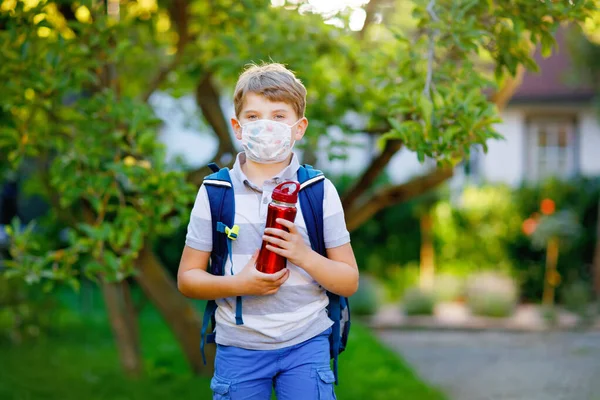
x: 199, y: 232
x: 334, y: 225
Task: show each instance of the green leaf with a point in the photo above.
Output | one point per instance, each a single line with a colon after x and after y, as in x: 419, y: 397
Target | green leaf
x: 548, y: 43
x: 451, y: 132
x: 75, y: 284
x: 426, y: 106
x: 111, y: 260
x: 385, y: 137
x: 397, y: 125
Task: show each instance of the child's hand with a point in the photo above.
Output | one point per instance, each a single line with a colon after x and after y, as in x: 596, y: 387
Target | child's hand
x: 288, y: 244
x: 252, y: 282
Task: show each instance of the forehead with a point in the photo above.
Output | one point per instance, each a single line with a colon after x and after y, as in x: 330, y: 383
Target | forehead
x: 257, y: 102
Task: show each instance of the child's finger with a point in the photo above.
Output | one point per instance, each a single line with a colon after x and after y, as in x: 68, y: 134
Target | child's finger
x: 276, y: 276
x: 277, y: 250
x: 277, y: 232
x: 276, y: 242
x: 288, y: 224
x: 252, y: 260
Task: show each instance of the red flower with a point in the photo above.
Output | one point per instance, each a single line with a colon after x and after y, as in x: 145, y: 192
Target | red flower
x: 548, y: 207
x: 529, y: 226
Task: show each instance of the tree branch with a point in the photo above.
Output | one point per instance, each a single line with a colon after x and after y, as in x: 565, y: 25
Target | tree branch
x: 208, y: 100
x: 178, y: 9
x: 503, y: 95
x: 431, y: 50
x: 388, y: 196
x: 378, y: 130
x: 372, y: 172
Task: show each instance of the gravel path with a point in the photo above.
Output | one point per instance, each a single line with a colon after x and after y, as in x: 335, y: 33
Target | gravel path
x: 504, y: 366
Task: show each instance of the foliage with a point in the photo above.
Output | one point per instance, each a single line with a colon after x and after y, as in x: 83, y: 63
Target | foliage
x: 418, y: 302
x: 563, y: 225
x: 491, y: 294
x: 580, y: 196
x: 65, y: 65
x: 24, y: 312
x: 478, y: 228
x: 577, y: 298
x: 438, y: 107
x: 106, y: 180
x: 366, y: 299
x: 482, y: 228
x: 79, y: 361
x: 486, y: 228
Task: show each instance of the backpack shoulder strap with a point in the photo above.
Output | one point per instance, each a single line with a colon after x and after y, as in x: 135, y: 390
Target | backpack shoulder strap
x: 312, y: 193
x: 222, y: 210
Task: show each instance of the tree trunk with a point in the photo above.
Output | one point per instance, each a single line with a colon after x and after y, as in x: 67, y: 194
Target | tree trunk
x: 123, y: 321
x: 427, y: 273
x: 388, y: 196
x: 596, y: 263
x: 365, y: 181
x: 360, y: 209
x: 551, y: 279
x: 175, y: 308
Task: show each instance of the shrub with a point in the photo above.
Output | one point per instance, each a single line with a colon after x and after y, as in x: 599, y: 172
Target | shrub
x: 491, y: 294
x: 577, y: 298
x: 25, y: 311
x: 366, y: 299
x: 448, y: 287
x: 418, y: 302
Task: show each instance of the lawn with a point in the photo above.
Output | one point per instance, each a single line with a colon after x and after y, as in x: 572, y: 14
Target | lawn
x: 79, y: 361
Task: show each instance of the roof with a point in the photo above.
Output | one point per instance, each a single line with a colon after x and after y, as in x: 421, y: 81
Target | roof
x: 551, y: 83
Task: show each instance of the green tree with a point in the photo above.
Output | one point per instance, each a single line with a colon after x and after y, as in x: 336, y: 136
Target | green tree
x: 76, y: 79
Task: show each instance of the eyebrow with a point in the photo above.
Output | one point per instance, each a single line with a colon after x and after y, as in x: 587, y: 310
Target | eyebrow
x: 274, y: 111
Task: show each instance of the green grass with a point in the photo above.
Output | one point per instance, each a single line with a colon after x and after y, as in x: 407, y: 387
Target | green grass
x: 78, y: 360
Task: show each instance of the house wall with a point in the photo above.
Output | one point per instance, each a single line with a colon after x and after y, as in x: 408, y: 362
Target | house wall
x: 504, y: 161
x: 589, y: 143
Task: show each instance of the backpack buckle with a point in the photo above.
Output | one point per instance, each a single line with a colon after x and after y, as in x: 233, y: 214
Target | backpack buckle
x: 231, y: 233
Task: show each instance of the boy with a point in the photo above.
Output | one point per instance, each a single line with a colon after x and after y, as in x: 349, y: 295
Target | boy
x: 283, y: 342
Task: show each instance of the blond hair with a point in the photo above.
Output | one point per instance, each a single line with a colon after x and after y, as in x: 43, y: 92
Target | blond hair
x: 273, y: 81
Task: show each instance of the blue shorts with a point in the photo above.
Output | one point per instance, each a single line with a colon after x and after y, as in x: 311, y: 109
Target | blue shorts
x: 296, y: 372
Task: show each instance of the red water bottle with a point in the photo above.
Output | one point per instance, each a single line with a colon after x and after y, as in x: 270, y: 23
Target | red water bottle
x: 282, y: 205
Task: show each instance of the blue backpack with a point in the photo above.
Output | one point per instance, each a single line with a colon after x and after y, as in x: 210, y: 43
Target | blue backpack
x: 222, y: 208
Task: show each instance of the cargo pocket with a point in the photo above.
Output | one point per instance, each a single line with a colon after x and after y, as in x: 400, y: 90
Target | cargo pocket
x: 325, y: 384
x: 220, y: 389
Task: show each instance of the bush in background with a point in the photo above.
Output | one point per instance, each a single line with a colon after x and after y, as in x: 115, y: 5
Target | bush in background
x: 491, y: 294
x: 577, y: 298
x: 448, y: 288
x: 365, y: 301
x: 26, y: 312
x: 418, y: 302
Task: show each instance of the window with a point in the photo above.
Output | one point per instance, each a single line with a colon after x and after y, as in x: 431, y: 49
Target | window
x: 551, y: 148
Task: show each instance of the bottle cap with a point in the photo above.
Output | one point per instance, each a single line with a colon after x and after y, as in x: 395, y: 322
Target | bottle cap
x: 286, y: 192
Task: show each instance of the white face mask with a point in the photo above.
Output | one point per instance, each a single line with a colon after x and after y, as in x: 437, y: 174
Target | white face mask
x: 267, y: 141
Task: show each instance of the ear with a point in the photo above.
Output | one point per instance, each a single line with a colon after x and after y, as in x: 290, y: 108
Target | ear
x: 237, y: 128
x: 301, y: 129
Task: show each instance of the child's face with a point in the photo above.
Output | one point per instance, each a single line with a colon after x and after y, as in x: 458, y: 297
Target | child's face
x: 257, y: 107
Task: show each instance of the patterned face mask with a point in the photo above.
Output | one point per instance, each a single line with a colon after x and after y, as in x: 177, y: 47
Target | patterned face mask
x: 267, y: 141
